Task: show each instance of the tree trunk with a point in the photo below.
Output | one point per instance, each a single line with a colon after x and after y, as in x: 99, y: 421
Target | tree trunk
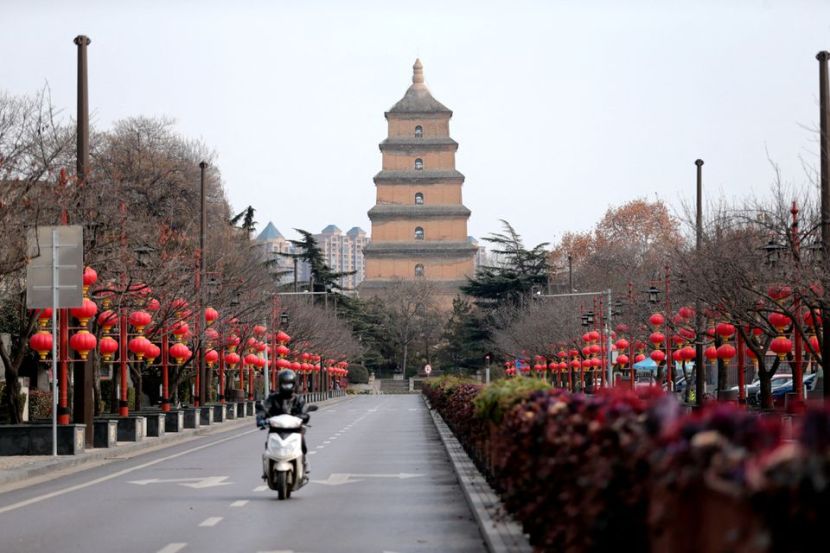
x: 405, y: 352
x: 766, y: 389
x: 11, y: 393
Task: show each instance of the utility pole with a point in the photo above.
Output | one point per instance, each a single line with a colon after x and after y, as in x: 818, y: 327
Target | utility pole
x: 84, y: 405
x: 824, y: 140
x: 700, y: 377
x: 202, y: 391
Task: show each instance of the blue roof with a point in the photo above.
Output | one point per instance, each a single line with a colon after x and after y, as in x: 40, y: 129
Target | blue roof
x: 270, y: 232
x: 331, y: 229
x: 355, y: 230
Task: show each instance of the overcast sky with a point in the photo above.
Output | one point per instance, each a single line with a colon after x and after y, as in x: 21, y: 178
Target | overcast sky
x: 561, y: 109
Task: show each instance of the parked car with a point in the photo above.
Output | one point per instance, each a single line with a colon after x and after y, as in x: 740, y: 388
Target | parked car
x: 779, y: 393
x: 753, y: 391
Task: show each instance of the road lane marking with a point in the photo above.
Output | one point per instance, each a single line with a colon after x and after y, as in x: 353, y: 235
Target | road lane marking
x: 239, y: 503
x: 195, y: 483
x: 327, y: 441
x: 338, y: 479
x: 260, y: 488
x: 210, y: 522
x: 118, y: 474
x: 312, y: 452
x: 172, y: 548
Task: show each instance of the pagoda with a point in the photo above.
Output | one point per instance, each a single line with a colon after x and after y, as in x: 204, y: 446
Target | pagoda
x: 419, y: 224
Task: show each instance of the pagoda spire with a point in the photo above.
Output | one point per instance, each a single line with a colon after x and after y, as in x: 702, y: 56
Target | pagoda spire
x: 418, y: 72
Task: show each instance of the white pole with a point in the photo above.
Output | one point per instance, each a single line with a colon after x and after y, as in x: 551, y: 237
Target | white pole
x: 55, y: 337
x: 267, y: 371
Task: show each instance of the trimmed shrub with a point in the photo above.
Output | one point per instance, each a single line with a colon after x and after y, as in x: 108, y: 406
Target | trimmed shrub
x: 358, y: 374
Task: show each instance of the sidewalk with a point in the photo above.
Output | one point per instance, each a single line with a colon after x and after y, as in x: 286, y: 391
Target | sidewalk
x: 17, y: 468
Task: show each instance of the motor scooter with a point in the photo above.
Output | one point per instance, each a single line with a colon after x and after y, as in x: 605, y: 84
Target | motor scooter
x: 282, y: 461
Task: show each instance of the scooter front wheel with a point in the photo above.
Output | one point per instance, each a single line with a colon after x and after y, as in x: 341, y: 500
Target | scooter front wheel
x: 281, y: 484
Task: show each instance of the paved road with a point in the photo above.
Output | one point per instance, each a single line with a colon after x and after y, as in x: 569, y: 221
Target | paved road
x: 206, y: 495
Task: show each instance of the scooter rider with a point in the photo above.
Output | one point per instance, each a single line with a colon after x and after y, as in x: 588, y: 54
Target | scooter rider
x: 285, y: 402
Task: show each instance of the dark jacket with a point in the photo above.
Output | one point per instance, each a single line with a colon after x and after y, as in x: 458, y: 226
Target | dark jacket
x: 275, y: 405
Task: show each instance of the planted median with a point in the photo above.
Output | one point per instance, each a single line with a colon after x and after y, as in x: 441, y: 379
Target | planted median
x: 633, y: 471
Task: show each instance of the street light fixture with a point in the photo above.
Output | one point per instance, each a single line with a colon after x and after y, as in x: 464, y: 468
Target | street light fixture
x: 653, y: 294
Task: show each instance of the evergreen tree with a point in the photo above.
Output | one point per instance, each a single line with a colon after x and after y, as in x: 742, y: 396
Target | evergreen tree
x: 323, y: 279
x: 519, y: 271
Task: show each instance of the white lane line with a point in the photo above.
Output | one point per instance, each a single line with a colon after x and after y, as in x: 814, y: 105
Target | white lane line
x: 312, y: 452
x: 210, y: 522
x: 118, y: 474
x: 172, y: 548
x: 327, y: 441
x: 239, y: 503
x: 320, y: 446
x: 260, y: 488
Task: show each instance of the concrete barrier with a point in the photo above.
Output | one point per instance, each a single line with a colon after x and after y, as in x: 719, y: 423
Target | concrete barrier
x: 104, y: 432
x: 219, y: 412
x: 174, y: 421
x: 206, y: 415
x: 230, y: 411
x: 192, y: 417
x: 36, y: 439
x: 240, y: 409
x: 132, y: 428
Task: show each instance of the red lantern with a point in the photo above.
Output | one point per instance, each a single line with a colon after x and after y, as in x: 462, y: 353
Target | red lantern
x: 84, y: 313
x: 658, y: 356
x: 260, y: 346
x: 151, y: 352
x: 622, y: 360
x: 211, y: 335
x: 108, y: 347
x: 639, y: 358
x: 232, y: 342
x: 211, y: 315
x: 779, y: 321
x: 232, y: 359
x: 260, y: 330
x: 179, y: 330
x: 282, y: 350
x: 686, y: 333
x: 181, y: 353
x: 283, y: 338
x: 107, y: 319
x: 211, y: 357
x: 726, y: 352
x: 686, y: 312
x: 43, y: 317
x: 688, y: 353
x: 656, y: 319
x: 295, y: 366
x: 140, y: 319
x: 179, y: 305
x: 711, y: 353
x: 41, y: 342
x: 90, y: 278
x: 656, y: 338
x: 138, y: 346
x: 814, y: 344
x: 594, y: 348
x: 83, y: 342
x: 622, y: 344
x: 781, y: 346
x: 283, y: 363
x: 779, y: 292
x: 677, y: 355
x: 725, y: 330
x: 575, y: 364
x: 593, y: 336
x: 250, y: 359
x: 153, y: 305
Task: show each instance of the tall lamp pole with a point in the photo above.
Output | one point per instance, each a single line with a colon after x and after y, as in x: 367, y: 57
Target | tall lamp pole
x: 824, y: 117
x: 700, y: 380
x: 202, y: 285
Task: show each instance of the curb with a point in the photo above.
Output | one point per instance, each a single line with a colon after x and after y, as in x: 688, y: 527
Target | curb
x: 127, y: 450
x: 501, y: 532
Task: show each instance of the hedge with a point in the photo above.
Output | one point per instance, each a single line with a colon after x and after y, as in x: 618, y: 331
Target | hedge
x: 632, y: 471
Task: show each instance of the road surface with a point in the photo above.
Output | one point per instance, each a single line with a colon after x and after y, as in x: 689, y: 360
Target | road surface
x: 381, y: 482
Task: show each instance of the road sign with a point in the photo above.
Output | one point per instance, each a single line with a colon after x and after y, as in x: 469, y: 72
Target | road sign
x: 427, y: 369
x: 58, y: 263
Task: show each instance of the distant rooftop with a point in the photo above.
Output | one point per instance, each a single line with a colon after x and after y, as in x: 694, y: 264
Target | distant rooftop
x: 270, y: 232
x: 472, y: 240
x: 331, y: 229
x: 355, y: 231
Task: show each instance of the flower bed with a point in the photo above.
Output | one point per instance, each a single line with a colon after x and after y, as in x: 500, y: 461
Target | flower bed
x: 626, y: 470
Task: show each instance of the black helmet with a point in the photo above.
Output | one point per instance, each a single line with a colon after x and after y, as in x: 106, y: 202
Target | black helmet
x: 287, y: 381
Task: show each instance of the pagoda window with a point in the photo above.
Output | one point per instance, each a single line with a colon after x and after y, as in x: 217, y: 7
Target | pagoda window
x: 419, y: 271
x: 419, y: 233
x: 419, y: 198
x: 419, y: 164
x: 419, y: 131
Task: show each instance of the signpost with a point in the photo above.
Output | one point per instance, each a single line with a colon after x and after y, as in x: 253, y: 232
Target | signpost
x: 54, y: 278
x: 427, y: 369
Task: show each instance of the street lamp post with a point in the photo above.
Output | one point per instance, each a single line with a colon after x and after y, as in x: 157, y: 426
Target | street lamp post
x: 700, y: 380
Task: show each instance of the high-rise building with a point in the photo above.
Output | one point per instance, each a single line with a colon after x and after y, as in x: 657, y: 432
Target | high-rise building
x: 344, y: 253
x: 419, y: 224
x: 272, y: 243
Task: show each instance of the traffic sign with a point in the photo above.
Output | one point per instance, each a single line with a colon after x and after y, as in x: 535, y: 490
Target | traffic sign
x: 56, y: 264
x: 427, y: 369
